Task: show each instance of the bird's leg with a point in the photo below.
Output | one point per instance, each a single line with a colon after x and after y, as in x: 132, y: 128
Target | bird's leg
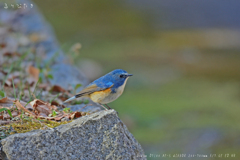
x: 103, y: 106
x: 108, y: 106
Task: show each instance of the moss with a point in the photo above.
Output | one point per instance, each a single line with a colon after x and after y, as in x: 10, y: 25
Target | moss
x: 28, y: 124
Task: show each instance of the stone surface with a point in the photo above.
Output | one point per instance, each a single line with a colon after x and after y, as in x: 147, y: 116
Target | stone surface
x: 91, y: 107
x: 101, y: 135
x: 65, y: 75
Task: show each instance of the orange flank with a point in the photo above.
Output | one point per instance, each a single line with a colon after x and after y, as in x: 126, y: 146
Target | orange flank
x: 100, y: 95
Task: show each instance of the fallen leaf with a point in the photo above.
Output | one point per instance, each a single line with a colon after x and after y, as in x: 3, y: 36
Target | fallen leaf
x: 3, y: 45
x: 63, y: 98
x: 33, y: 72
x: 7, y: 102
x: 75, y: 114
x: 54, y: 107
x: 59, y: 117
x: 43, y: 86
x: 4, y: 100
x: 3, y: 72
x: 8, y: 83
x: 57, y: 104
x: 57, y: 88
x: 10, y: 54
x: 20, y: 107
x: 42, y: 108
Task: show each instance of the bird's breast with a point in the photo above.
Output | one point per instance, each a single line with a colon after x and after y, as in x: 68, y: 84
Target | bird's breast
x: 100, y: 95
x: 107, y: 95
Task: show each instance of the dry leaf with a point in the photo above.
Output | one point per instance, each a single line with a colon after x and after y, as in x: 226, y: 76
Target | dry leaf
x: 75, y: 114
x: 43, y: 109
x: 3, y: 45
x: 63, y: 98
x: 54, y: 107
x: 57, y: 88
x: 20, y: 107
x: 57, y: 104
x: 8, y: 83
x: 10, y: 54
x: 8, y: 102
x: 4, y: 100
x: 59, y: 117
x: 34, y: 72
x: 43, y: 86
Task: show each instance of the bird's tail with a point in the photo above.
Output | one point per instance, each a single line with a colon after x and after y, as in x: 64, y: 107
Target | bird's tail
x: 70, y: 99
x: 76, y: 96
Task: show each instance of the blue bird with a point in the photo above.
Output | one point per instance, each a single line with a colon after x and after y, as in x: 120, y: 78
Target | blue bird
x: 105, y: 89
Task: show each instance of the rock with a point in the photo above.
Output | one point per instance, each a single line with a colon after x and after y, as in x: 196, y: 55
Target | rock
x: 65, y: 75
x: 91, y: 107
x: 101, y: 135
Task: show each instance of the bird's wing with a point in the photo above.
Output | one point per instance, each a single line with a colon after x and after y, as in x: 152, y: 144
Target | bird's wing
x: 93, y: 88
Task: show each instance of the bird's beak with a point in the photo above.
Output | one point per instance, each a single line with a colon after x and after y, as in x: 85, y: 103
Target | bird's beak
x: 129, y: 75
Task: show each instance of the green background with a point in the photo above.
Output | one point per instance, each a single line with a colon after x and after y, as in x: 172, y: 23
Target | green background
x: 184, y: 96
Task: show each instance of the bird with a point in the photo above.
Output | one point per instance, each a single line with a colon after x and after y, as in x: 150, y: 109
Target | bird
x: 105, y: 89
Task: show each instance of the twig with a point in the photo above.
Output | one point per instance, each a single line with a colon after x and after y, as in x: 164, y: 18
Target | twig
x: 19, y: 106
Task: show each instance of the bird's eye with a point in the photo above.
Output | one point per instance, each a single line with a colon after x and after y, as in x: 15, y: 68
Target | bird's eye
x: 121, y: 76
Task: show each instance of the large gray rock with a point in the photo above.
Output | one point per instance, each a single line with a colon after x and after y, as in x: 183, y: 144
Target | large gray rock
x: 101, y: 135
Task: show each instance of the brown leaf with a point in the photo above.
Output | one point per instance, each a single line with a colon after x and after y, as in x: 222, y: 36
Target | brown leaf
x: 63, y: 98
x: 14, y: 75
x: 7, y: 102
x: 20, y: 107
x: 75, y: 114
x: 4, y: 100
x: 57, y: 88
x: 3, y: 45
x: 29, y: 82
x: 11, y: 100
x: 54, y: 103
x: 3, y: 72
x: 43, y: 115
x: 57, y: 104
x: 42, y: 108
x: 59, y: 117
x: 54, y: 107
x: 10, y: 54
x: 8, y: 83
x: 43, y: 86
x: 34, y: 72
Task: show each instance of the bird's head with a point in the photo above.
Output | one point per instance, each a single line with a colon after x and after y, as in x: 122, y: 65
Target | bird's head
x: 119, y: 76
